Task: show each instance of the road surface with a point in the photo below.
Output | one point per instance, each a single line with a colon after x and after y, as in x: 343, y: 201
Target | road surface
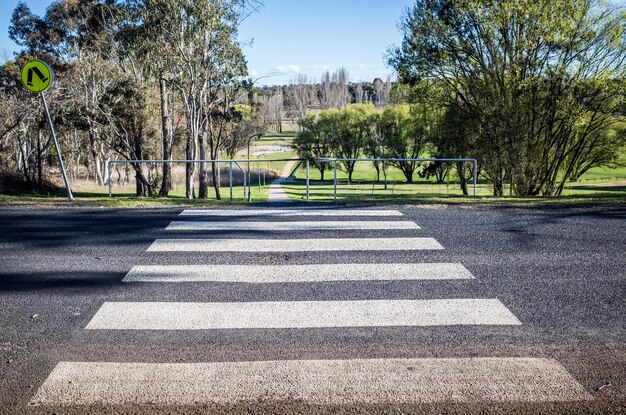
x: 386, y: 309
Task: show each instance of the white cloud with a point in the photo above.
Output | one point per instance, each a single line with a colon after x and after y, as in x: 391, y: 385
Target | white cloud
x: 287, y: 69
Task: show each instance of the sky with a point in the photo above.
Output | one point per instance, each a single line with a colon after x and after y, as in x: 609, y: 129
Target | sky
x: 295, y: 36
x: 288, y: 37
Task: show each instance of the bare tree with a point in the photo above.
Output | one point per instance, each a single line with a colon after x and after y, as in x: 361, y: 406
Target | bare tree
x: 379, y: 92
x: 299, y: 98
x: 272, y: 108
x: 326, y: 91
x: 358, y: 93
x: 334, y: 89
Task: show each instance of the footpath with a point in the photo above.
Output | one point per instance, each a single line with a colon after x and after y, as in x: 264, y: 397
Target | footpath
x: 277, y: 194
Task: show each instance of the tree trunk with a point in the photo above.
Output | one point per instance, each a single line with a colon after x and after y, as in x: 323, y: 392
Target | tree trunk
x: 139, y: 189
x: 203, y: 192
x: 189, y: 168
x: 216, y: 180
x: 385, y: 174
x: 408, y: 174
x: 143, y: 187
x: 498, y: 188
x: 94, y: 154
x: 166, y: 132
x: 460, y: 168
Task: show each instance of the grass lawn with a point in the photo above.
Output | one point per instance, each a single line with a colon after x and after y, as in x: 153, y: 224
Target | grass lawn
x: 428, y: 193
x: 364, y: 188
x: 603, y: 174
x: 278, y: 166
x: 125, y: 197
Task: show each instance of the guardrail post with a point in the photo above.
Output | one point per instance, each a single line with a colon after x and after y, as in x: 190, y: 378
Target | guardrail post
x: 258, y: 172
x: 245, y: 178
x: 335, y: 180
x: 307, y: 180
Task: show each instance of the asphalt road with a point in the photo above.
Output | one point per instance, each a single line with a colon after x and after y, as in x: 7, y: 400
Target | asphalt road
x: 560, y: 271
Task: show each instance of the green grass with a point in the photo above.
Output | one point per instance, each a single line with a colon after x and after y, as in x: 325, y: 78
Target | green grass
x: 428, y: 193
x: 278, y: 166
x: 604, y: 174
x: 124, y: 197
x: 364, y: 189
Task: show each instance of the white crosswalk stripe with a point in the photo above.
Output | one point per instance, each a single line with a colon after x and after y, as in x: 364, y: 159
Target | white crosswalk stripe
x: 262, y: 274
x: 291, y: 226
x: 290, y: 212
x: 300, y: 314
x: 291, y: 245
x: 336, y: 382
x: 312, y: 381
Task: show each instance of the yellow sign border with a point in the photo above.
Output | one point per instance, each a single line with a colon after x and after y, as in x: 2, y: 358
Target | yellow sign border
x: 35, y: 72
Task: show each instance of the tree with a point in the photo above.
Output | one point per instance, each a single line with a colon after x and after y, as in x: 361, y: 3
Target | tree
x: 358, y: 93
x: 334, y: 89
x: 404, y: 130
x: 314, y: 141
x: 201, y: 39
x: 298, y: 96
x: 246, y: 121
x: 38, y: 35
x: 145, y: 38
x: 537, y: 76
x: 351, y: 129
x: 124, y: 105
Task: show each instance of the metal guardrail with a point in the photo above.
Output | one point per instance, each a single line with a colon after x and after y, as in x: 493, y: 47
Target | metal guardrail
x: 248, y: 178
x: 247, y: 175
x: 387, y: 160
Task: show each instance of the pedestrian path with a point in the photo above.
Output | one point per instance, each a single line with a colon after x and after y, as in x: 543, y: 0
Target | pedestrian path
x: 331, y: 381
x: 277, y: 194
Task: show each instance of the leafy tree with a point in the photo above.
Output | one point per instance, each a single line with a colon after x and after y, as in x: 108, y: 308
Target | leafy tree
x: 536, y: 76
x: 315, y: 141
x: 404, y: 130
x: 351, y: 128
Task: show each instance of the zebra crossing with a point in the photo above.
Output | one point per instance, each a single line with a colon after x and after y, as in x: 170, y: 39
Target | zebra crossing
x: 346, y: 381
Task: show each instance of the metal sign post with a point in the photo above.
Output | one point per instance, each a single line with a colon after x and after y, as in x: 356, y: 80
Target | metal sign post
x: 70, y: 196
x: 37, y: 76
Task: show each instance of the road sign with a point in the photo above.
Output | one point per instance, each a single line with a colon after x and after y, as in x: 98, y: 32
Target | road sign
x: 37, y: 76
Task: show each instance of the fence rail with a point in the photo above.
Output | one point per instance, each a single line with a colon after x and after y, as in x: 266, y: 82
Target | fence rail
x: 248, y: 162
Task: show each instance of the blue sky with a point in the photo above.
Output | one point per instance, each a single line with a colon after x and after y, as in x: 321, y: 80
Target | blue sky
x: 294, y: 36
x: 287, y: 37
